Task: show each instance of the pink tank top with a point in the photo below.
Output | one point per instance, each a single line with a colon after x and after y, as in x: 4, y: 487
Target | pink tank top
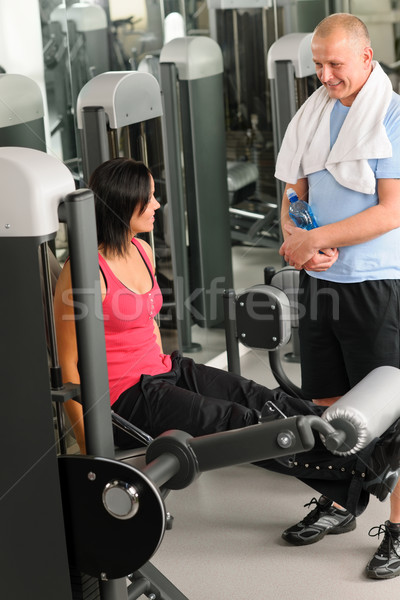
x: 131, y: 343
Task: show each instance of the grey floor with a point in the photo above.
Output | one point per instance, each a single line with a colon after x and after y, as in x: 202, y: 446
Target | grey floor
x: 226, y: 540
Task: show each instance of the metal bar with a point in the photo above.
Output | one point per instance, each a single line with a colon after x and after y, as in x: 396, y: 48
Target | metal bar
x: 131, y: 429
x: 62, y: 445
x: 253, y: 443
x: 277, y: 370
x: 114, y: 143
x: 232, y: 345
x: 174, y: 184
x: 139, y: 587
x: 246, y: 213
x: 264, y: 17
x: 237, y: 63
x: 276, y: 31
x: 145, y: 158
x: 49, y: 312
x: 160, y: 586
x: 78, y: 212
x: 95, y: 146
x: 55, y: 370
x: 114, y: 589
x: 162, y: 469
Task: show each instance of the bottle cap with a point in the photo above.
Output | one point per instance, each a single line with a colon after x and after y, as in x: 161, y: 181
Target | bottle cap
x: 291, y: 194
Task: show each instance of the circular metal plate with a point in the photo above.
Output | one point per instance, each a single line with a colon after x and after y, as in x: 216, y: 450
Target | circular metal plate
x: 100, y: 544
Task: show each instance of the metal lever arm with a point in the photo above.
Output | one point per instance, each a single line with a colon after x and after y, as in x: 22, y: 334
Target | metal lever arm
x: 274, y: 439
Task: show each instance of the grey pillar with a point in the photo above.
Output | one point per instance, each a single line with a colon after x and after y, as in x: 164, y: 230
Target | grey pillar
x: 199, y: 67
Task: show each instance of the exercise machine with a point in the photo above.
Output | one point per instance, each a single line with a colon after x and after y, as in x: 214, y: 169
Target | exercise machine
x: 75, y: 50
x: 86, y: 526
x: 291, y: 72
x: 192, y: 109
x: 21, y: 112
x: 245, y: 29
x: 119, y: 114
x: 86, y: 24
x: 191, y: 81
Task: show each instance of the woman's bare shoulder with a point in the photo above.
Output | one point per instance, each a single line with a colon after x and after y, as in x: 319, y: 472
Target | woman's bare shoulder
x: 147, y: 248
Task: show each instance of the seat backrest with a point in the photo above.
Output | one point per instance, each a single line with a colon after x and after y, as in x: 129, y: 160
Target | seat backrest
x: 63, y: 422
x: 260, y: 317
x: 287, y: 280
x: 263, y: 317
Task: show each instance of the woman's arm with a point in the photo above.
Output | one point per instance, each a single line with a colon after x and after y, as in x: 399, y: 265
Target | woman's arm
x: 67, y: 349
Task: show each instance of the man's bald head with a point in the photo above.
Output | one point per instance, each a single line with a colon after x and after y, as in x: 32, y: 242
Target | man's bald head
x: 352, y: 27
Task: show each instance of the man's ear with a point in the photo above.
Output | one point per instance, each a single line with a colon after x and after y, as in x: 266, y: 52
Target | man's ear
x: 368, y: 54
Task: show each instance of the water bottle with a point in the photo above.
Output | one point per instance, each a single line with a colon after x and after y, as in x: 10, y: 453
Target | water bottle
x: 300, y: 212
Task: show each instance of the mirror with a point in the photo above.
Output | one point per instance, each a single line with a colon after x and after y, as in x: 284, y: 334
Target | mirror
x: 86, y: 38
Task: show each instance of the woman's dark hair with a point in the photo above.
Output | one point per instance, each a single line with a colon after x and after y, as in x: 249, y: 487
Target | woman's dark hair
x: 120, y: 185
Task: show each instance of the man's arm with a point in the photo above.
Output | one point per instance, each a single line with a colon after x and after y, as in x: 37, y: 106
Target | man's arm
x: 301, y: 189
x: 320, y: 261
x: 367, y: 225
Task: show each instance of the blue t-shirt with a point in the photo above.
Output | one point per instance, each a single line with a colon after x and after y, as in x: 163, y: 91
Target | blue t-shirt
x: 331, y: 202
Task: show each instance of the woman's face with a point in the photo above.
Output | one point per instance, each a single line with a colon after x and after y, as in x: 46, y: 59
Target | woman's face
x: 144, y: 222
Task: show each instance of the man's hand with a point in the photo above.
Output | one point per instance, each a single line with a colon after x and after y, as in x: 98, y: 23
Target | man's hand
x: 323, y: 260
x: 299, y: 251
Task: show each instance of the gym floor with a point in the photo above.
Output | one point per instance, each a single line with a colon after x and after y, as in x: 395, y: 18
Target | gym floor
x: 226, y: 543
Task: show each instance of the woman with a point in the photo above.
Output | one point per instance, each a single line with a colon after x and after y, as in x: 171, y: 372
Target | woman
x: 153, y: 390
x: 156, y: 391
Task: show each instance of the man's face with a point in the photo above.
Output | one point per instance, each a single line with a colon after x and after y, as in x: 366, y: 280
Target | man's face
x: 342, y: 66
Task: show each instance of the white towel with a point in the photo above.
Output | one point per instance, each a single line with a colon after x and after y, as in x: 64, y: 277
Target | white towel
x: 305, y: 147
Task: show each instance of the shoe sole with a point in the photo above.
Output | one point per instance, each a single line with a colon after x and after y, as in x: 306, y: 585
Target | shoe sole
x: 373, y: 575
x: 333, y: 531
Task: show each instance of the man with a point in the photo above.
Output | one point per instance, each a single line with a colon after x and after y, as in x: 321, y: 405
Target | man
x: 341, y: 152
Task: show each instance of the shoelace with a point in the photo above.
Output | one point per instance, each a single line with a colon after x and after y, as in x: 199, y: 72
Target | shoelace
x: 388, y: 543
x: 311, y: 515
x: 312, y: 501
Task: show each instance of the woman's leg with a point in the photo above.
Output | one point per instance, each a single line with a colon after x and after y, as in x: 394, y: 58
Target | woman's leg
x: 158, y: 404
x: 162, y: 402
x: 220, y: 384
x: 201, y: 400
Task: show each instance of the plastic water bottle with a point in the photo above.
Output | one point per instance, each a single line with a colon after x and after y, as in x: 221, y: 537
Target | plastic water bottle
x: 300, y: 212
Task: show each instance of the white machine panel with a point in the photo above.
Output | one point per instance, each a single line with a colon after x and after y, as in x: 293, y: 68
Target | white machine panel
x: 294, y: 47
x: 87, y: 17
x: 127, y: 97
x: 223, y: 4
x: 195, y: 57
x: 20, y: 100
x: 33, y: 185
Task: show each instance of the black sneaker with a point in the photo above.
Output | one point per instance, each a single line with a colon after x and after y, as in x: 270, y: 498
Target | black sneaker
x: 322, y: 520
x: 384, y: 467
x: 385, y: 563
